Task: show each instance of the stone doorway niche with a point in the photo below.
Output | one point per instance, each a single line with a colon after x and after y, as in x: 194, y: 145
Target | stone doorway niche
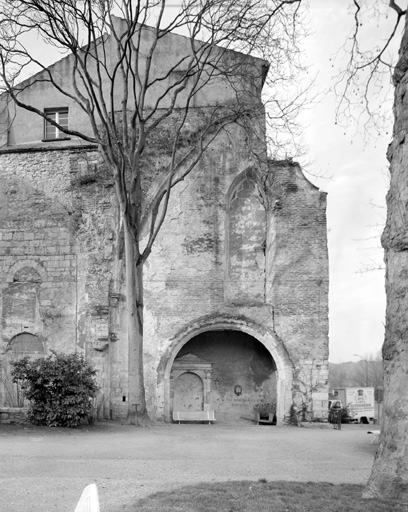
x: 242, y: 374
x: 190, y: 384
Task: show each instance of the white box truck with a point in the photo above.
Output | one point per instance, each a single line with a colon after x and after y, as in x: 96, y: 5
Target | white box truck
x: 360, y: 402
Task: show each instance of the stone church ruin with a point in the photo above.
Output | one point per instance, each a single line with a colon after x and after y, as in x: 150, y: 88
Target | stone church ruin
x: 236, y: 287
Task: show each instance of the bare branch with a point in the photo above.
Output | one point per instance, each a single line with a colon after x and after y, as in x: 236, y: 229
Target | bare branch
x: 365, y: 84
x: 397, y: 8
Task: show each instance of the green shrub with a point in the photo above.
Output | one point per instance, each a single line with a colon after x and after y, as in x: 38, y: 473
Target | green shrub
x: 344, y: 412
x: 292, y: 420
x: 59, y: 387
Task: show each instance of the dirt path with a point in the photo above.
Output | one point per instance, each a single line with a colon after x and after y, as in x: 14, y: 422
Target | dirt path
x: 45, y: 470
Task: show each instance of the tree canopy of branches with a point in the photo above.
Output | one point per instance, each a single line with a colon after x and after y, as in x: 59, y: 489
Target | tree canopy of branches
x: 364, y: 85
x: 112, y: 48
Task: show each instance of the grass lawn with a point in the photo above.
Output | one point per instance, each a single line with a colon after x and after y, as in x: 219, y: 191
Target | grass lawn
x: 265, y: 496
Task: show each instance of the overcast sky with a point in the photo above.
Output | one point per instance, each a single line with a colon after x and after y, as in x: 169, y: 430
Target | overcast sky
x: 358, y: 179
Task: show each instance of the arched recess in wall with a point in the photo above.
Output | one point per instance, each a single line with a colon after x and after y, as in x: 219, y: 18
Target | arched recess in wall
x: 26, y: 271
x: 190, y: 384
x: 26, y: 344
x: 188, y: 392
x: 21, y: 298
x: 245, y: 235
x: 273, y: 345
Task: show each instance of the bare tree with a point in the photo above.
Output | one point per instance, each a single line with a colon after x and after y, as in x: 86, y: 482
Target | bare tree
x: 338, y: 376
x: 369, y: 371
x: 389, y: 476
x: 364, y: 85
x: 112, y: 49
x: 366, y: 372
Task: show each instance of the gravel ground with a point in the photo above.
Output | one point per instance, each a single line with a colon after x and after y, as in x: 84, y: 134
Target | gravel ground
x: 45, y: 470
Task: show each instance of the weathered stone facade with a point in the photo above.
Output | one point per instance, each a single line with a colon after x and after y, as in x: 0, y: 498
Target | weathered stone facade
x: 223, y: 264
x: 236, y: 287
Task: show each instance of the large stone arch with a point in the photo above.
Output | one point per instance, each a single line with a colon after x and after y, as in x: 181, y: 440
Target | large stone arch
x: 216, y: 323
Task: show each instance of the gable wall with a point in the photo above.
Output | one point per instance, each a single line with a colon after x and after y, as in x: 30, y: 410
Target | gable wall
x: 19, y: 126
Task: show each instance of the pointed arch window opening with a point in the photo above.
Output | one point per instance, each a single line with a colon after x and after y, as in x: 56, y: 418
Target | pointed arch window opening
x: 246, y: 237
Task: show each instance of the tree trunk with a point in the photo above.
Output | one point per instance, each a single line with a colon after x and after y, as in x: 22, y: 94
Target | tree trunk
x: 137, y: 412
x: 389, y: 476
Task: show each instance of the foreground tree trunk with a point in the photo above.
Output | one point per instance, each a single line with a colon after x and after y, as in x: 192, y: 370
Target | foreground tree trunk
x: 389, y: 477
x: 137, y: 411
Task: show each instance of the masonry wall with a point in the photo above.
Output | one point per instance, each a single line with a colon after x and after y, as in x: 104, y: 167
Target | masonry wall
x: 242, y: 248
x: 36, y: 233
x: 54, y: 218
x: 299, y: 279
x: 265, y: 262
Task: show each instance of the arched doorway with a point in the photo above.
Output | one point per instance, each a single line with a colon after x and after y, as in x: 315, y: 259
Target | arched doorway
x: 243, y: 374
x: 188, y: 393
x: 22, y: 345
x: 190, y: 388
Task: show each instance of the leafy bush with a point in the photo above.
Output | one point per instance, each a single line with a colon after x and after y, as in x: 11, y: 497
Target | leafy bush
x: 59, y: 387
x: 292, y: 420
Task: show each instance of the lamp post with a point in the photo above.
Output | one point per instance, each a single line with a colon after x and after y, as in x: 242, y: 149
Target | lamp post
x: 366, y: 368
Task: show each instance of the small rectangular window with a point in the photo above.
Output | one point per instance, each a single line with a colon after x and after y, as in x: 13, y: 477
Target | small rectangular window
x: 60, y: 116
